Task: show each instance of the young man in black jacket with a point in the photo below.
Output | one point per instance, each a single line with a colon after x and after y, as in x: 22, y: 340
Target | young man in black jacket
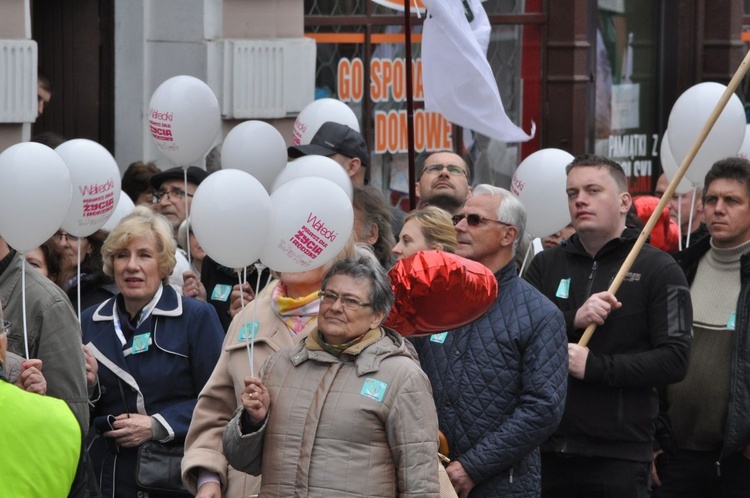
x: 603, y: 446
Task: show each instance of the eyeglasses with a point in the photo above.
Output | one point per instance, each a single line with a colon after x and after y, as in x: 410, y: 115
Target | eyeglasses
x: 4, y: 327
x: 59, y: 236
x: 474, y: 220
x: 346, y: 301
x: 174, y: 195
x: 438, y: 168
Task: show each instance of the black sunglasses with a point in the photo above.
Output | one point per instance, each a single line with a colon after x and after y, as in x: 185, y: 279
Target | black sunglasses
x: 474, y: 220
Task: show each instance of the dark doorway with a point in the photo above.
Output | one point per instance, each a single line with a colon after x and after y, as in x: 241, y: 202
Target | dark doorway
x: 76, y: 50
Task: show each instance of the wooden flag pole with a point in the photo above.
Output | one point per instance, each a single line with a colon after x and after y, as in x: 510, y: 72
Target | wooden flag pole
x: 625, y: 268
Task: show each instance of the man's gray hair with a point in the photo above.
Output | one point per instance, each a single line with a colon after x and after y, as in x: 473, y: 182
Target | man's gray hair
x: 511, y: 211
x: 365, y: 267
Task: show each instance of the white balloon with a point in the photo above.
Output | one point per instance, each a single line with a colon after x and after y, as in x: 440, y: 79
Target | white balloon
x: 95, y: 178
x: 231, y: 216
x: 539, y: 183
x: 744, y: 151
x: 124, y: 207
x: 315, y: 166
x: 687, y: 119
x: 311, y: 221
x: 257, y: 148
x: 184, y: 119
x: 318, y: 112
x: 670, y: 167
x: 35, y: 194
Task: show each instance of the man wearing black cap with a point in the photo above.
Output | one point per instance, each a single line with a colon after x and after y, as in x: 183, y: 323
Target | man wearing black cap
x: 169, y: 192
x: 348, y: 148
x: 342, y: 144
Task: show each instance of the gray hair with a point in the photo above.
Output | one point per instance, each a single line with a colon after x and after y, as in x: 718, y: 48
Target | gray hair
x: 511, y: 210
x: 381, y: 295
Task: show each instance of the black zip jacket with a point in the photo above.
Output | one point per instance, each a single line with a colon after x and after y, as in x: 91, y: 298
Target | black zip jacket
x: 641, y: 346
x: 737, y: 430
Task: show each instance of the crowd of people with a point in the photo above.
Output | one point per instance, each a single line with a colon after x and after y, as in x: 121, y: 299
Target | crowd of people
x: 309, y: 394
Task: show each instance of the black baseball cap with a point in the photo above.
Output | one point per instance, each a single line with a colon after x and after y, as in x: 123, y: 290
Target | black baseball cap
x: 195, y: 175
x: 334, y: 138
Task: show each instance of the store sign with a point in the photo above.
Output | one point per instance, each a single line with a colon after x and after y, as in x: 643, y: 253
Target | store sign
x: 387, y: 87
x: 636, y: 153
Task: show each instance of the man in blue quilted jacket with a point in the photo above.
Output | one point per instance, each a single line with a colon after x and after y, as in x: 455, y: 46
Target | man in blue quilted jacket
x: 604, y: 445
x: 498, y: 382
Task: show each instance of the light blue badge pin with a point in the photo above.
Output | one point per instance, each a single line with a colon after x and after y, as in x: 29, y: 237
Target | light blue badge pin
x: 374, y: 389
x: 730, y: 322
x: 248, y: 332
x: 563, y: 289
x: 439, y: 338
x: 221, y: 292
x: 141, y: 342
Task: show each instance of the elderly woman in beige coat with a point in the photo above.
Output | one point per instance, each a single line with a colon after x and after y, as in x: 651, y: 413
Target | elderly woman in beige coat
x: 346, y: 412
x: 287, y: 311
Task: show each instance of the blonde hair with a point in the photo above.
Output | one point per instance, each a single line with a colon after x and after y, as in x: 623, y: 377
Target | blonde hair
x: 142, y: 222
x: 437, y: 227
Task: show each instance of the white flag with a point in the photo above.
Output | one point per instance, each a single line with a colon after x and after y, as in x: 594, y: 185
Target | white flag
x: 458, y: 80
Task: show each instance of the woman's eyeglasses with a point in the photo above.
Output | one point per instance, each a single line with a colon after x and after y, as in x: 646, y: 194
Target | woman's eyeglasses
x: 4, y: 327
x: 59, y: 236
x: 474, y: 220
x: 346, y: 301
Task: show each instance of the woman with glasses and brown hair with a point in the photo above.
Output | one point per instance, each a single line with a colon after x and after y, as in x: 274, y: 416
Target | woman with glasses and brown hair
x: 346, y: 412
x: 286, y: 312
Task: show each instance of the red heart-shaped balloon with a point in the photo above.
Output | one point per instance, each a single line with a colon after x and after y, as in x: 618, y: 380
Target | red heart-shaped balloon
x: 437, y: 291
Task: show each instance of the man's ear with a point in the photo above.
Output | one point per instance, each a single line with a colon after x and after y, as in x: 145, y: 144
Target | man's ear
x: 626, y: 201
x: 353, y: 166
x: 509, y: 238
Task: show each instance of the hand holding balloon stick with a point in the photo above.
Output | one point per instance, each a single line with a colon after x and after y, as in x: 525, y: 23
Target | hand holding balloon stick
x: 250, y: 330
x: 686, y: 162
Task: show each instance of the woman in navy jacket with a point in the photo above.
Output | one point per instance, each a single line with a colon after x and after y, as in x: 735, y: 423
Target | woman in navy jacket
x: 155, y: 350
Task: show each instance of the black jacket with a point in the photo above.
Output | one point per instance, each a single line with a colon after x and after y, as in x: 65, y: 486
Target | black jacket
x: 642, y: 345
x: 737, y: 431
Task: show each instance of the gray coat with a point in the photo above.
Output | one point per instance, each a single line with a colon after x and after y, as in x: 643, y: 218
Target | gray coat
x: 53, y: 333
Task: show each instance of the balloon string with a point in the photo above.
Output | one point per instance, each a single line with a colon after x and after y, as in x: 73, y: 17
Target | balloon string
x: 78, y: 280
x: 187, y: 220
x: 679, y: 225
x: 259, y: 269
x: 526, y: 257
x: 243, y: 329
x: 690, y: 219
x: 23, y: 305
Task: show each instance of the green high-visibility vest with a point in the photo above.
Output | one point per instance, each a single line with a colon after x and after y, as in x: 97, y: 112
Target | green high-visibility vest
x: 40, y: 444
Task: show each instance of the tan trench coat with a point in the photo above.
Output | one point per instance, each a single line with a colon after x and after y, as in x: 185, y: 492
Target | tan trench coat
x: 220, y: 397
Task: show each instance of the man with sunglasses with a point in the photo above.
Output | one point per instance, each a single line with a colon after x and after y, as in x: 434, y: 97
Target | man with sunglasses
x: 498, y: 382
x: 443, y: 181
x: 604, y: 445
